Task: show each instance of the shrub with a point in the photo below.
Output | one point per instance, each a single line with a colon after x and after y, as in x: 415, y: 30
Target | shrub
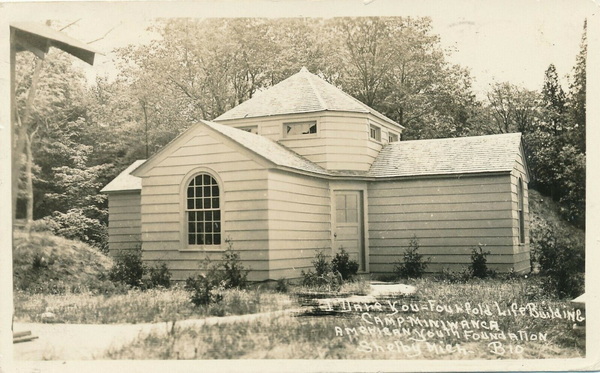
x: 203, y: 290
x: 413, y: 264
x: 342, y: 264
x: 562, y: 263
x: 76, y: 225
x: 228, y: 273
x: 321, y: 263
x: 282, y: 285
x: 44, y: 225
x: 129, y: 268
x: 479, y: 262
x: 159, y: 275
x: 323, y: 276
x: 233, y: 274
x: 38, y: 262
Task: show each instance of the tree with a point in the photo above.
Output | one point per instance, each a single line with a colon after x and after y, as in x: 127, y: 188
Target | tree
x: 546, y: 137
x: 513, y: 109
x: 553, y: 102
x: 556, y: 142
x: 577, y: 95
x: 199, y: 69
x: 46, y: 93
x: 24, y: 139
x: 397, y: 66
x: 58, y: 181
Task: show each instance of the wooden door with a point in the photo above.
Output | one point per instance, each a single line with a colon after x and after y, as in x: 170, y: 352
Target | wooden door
x: 348, y: 230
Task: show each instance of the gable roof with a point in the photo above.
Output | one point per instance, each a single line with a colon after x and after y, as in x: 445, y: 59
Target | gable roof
x: 492, y: 153
x: 453, y: 156
x: 267, y: 148
x: 125, y: 181
x: 302, y: 92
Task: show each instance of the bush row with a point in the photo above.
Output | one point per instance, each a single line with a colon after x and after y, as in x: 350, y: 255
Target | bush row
x: 414, y: 265
x: 130, y: 270
x: 330, y: 275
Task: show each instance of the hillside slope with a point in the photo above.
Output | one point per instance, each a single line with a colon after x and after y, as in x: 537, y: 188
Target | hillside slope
x: 543, y: 209
x: 43, y: 262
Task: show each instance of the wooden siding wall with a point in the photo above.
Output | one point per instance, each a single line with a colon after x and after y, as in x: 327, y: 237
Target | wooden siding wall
x: 341, y: 143
x: 522, y: 251
x: 243, y: 185
x: 299, y: 221
x: 348, y: 144
x: 124, y: 221
x: 449, y: 216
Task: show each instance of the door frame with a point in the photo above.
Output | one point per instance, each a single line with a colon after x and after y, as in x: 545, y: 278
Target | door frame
x: 341, y: 186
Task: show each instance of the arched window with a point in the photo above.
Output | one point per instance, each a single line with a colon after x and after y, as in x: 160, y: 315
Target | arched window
x: 203, y: 212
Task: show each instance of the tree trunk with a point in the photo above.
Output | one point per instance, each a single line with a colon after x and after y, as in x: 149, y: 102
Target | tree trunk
x: 29, y: 181
x: 21, y: 131
x: 143, y: 103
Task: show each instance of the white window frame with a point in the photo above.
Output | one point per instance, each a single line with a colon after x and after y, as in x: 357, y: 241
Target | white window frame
x: 394, y: 135
x: 285, y: 134
x: 184, y: 232
x: 251, y: 129
x: 374, y: 132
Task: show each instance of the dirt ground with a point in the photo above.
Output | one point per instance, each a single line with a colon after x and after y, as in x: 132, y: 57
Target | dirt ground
x: 91, y: 341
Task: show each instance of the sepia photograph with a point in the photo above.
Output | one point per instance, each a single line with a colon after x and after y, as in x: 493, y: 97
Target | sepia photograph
x: 303, y: 185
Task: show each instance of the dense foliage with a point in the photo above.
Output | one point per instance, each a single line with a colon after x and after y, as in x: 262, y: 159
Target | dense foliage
x: 479, y: 262
x: 227, y: 273
x: 75, y: 138
x: 346, y: 267
x: 413, y: 263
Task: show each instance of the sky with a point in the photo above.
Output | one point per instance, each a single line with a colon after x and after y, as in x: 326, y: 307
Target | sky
x: 515, y: 42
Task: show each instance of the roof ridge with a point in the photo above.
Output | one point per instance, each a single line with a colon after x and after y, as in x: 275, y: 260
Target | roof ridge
x: 314, y: 89
x: 293, y: 96
x: 457, y: 138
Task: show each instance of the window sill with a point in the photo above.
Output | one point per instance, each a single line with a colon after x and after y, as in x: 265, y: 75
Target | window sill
x: 376, y: 141
x: 300, y: 137
x: 200, y: 249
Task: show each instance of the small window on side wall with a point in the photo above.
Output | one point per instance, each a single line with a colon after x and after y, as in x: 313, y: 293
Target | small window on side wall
x: 299, y: 128
x: 520, y: 210
x: 393, y: 137
x: 251, y: 129
x: 375, y: 133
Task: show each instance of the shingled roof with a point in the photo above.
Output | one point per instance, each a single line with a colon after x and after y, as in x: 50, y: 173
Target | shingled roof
x: 462, y: 155
x: 493, y: 153
x: 125, y: 181
x: 302, y: 92
x: 267, y: 149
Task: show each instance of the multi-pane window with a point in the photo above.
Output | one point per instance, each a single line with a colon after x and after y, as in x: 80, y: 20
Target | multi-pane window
x: 299, y: 128
x: 520, y: 211
x: 203, y: 211
x: 375, y: 133
x: 346, y: 208
x: 393, y: 137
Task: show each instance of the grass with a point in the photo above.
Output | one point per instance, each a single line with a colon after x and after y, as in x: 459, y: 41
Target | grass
x: 69, y: 279
x: 288, y: 337
x: 543, y: 208
x: 45, y: 263
x: 155, y: 305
